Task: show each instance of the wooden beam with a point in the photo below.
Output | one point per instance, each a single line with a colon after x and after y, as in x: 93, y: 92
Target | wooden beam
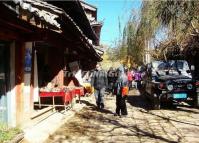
x: 36, y: 36
x: 19, y: 80
x: 8, y: 34
x: 32, y: 80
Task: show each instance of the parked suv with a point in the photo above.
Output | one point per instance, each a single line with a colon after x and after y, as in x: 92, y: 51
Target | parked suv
x: 167, y: 82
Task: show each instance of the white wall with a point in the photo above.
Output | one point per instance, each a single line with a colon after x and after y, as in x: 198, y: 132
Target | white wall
x: 27, y: 83
x: 11, y: 94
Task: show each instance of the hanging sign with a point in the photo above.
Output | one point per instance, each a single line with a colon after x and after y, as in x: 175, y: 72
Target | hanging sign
x: 28, y: 60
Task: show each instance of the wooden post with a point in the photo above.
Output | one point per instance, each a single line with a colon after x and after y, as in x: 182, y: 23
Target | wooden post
x: 32, y: 82
x: 19, y: 80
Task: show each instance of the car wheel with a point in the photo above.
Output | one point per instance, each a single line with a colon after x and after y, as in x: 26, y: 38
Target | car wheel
x: 171, y: 105
x: 168, y: 105
x: 196, y: 100
x: 156, y: 106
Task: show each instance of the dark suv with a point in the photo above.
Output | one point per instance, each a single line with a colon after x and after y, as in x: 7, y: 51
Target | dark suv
x: 166, y: 82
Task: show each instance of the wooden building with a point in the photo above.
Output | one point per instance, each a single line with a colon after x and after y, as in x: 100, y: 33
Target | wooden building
x: 47, y: 34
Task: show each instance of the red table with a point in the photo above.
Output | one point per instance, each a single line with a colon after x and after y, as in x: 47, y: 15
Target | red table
x: 79, y: 91
x: 67, y: 97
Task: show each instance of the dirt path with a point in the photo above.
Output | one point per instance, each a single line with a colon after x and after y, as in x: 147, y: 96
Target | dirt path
x: 140, y: 126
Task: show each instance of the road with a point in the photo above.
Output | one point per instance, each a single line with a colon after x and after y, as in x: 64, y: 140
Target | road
x: 142, y: 125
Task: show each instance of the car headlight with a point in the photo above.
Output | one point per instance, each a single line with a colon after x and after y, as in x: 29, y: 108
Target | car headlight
x: 189, y: 86
x: 170, y: 87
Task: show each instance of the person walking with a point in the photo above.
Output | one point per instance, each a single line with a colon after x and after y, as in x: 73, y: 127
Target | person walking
x: 121, y: 83
x: 138, y: 79
x: 130, y: 79
x: 99, y: 81
x: 110, y: 76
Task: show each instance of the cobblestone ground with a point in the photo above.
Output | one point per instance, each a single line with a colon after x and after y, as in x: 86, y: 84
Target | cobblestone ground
x: 142, y: 125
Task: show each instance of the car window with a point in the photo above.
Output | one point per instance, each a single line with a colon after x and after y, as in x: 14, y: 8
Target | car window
x: 177, y: 65
x: 163, y: 66
x: 156, y: 64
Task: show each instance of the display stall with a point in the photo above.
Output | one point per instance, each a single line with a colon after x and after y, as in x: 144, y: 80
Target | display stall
x: 79, y: 91
x: 67, y: 94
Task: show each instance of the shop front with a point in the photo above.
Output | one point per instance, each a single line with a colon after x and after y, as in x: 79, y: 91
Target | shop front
x: 37, y: 58
x: 56, y: 76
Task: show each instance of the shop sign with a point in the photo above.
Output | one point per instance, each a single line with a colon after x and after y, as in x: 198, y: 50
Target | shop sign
x: 28, y: 60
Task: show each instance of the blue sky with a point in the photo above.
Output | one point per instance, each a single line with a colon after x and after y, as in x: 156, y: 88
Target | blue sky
x: 110, y: 11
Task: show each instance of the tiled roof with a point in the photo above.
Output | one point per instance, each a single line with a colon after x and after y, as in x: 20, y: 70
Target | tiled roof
x: 50, y: 14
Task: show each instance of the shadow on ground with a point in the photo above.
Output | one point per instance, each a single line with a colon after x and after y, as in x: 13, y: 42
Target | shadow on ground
x: 94, y: 107
x: 169, y: 118
x: 141, y: 101
x: 86, y: 127
x: 89, y: 123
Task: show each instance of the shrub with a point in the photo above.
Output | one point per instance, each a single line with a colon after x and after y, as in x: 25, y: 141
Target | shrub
x: 7, y: 133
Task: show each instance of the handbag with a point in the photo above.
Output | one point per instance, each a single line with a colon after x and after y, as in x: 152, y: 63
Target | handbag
x: 125, y: 91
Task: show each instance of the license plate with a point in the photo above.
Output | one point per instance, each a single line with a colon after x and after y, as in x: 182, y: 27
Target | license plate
x: 179, y: 95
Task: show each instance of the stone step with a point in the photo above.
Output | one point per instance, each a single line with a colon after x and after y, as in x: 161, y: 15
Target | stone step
x: 38, y: 116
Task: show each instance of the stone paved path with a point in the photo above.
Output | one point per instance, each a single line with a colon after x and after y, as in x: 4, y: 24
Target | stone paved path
x: 142, y: 125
